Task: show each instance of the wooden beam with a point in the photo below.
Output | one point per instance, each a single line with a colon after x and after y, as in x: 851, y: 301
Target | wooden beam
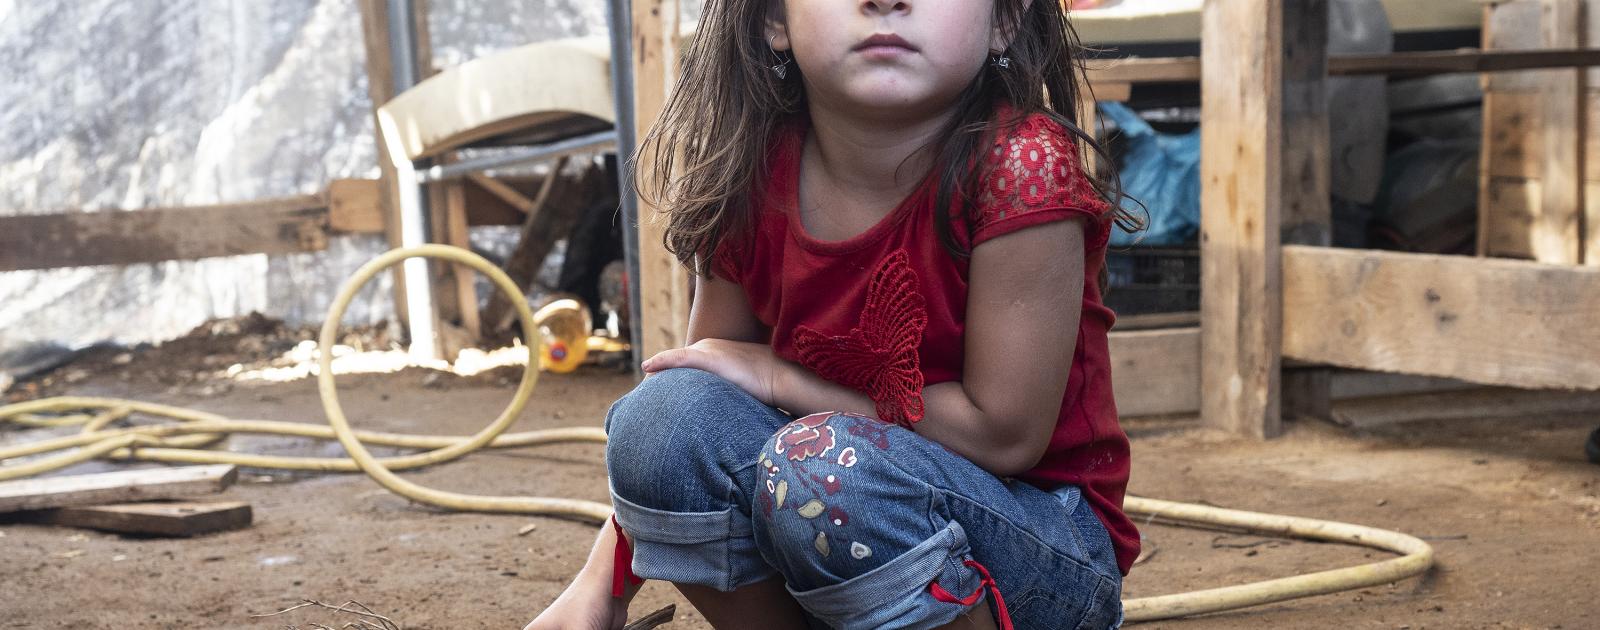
x: 1187, y: 69
x: 1119, y: 91
x: 1490, y: 321
x: 157, y: 519
x: 663, y: 283
x: 505, y: 192
x: 355, y: 206
x: 457, y: 233
x: 1153, y: 321
x: 1487, y: 112
x: 1133, y: 70
x: 1306, y: 172
x: 1156, y: 372
x: 486, y: 208
x: 380, y: 90
x: 1556, y: 235
x: 114, y: 487
x: 1241, y: 201
x: 1508, y: 211
x: 1591, y: 219
x: 114, y: 237
x: 422, y: 39
x: 1413, y: 64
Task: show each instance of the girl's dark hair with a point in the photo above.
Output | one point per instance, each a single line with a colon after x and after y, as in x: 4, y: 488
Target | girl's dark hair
x: 709, y: 147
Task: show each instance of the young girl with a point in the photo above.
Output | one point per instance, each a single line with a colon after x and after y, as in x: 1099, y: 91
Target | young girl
x: 896, y: 243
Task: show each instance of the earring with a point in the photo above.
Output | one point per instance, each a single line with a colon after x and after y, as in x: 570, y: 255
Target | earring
x: 780, y: 69
x: 1002, y: 62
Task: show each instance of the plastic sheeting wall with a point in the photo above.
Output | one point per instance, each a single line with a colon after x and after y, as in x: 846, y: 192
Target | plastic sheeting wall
x: 112, y: 104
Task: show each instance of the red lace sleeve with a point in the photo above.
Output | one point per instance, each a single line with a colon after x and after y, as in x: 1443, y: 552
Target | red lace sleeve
x: 1034, y: 177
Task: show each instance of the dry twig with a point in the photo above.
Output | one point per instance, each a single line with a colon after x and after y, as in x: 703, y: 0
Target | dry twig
x: 359, y: 624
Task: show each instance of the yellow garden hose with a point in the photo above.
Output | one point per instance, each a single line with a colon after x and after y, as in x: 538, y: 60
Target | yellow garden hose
x: 1416, y: 557
x: 190, y: 431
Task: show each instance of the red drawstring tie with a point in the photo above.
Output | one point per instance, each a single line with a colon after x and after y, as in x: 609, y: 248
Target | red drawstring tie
x: 1003, y: 617
x: 622, y: 569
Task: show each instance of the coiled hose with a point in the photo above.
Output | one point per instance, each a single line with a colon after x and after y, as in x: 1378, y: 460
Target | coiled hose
x: 183, y: 439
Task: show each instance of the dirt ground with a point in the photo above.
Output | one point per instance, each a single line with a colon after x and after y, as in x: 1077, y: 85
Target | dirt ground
x: 1509, y: 503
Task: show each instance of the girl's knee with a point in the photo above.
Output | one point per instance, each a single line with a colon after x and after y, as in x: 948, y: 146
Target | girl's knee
x: 650, y: 431
x: 832, y: 496
x: 664, y: 395
x: 683, y: 428
x: 848, y: 525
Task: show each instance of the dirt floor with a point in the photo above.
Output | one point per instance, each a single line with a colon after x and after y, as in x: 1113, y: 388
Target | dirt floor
x: 1509, y: 503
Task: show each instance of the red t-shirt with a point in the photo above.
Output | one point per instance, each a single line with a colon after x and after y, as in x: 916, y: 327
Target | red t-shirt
x: 884, y: 312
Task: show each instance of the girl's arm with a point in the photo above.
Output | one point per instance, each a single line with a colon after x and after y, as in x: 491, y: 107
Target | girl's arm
x: 726, y: 339
x: 1023, y: 306
x: 720, y: 311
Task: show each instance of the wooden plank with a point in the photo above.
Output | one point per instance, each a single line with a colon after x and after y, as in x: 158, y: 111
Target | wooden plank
x: 1513, y: 134
x: 1509, y: 27
x: 1556, y: 230
x: 1512, y: 166
x: 1507, y: 216
x: 114, y: 487
x: 1591, y: 223
x: 1499, y: 62
x: 1119, y: 91
x: 1306, y: 171
x: 1464, y: 404
x: 1156, y: 372
x: 1488, y: 113
x: 663, y: 283
x: 116, y: 237
x: 1133, y: 70
x: 505, y: 192
x: 457, y: 234
x: 486, y: 208
x: 158, y: 519
x: 422, y: 38
x: 1153, y: 321
x: 380, y: 89
x: 1503, y: 63
x: 1490, y: 321
x: 355, y: 205
x: 1241, y: 201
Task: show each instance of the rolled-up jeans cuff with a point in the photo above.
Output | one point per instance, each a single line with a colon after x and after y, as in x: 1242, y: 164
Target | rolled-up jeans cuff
x: 896, y: 595
x: 712, y: 549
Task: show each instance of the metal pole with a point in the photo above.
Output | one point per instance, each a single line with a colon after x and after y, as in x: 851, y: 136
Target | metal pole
x: 539, y: 153
x: 413, y: 204
x: 619, y: 15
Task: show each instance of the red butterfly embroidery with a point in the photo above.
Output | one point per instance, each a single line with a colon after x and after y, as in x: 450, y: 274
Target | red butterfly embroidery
x: 879, y: 356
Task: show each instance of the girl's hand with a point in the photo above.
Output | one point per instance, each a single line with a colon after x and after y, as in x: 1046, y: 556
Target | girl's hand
x: 751, y: 366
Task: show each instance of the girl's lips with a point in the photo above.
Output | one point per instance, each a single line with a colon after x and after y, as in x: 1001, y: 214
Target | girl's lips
x: 887, y: 42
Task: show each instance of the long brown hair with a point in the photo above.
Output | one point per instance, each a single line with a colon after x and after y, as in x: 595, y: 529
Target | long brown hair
x: 709, y: 146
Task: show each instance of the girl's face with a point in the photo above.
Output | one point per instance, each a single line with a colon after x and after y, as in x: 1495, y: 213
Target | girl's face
x: 887, y: 57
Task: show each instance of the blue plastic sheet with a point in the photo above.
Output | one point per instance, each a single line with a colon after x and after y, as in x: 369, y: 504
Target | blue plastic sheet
x: 1163, y: 172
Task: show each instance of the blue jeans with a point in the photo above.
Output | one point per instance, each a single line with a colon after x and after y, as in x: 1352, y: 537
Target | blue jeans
x: 868, y: 524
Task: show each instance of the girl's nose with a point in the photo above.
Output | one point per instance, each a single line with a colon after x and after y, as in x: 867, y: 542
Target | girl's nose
x: 885, y: 7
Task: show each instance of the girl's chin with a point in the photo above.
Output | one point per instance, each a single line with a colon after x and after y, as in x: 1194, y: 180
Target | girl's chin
x: 888, y: 95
